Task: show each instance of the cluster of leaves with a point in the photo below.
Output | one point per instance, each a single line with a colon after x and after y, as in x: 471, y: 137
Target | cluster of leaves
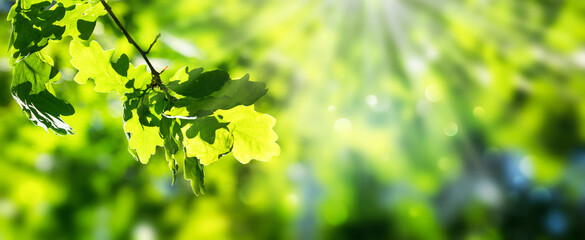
x: 34, y: 23
x: 196, y: 116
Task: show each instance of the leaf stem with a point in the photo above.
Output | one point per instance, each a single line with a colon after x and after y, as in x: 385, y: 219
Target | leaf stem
x: 156, y: 74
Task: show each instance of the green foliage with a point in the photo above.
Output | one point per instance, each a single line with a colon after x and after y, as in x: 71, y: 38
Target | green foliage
x: 252, y: 132
x: 33, y: 25
x: 142, y: 140
x: 196, y: 83
x: 400, y: 119
x: 95, y: 63
x: 217, y: 93
x: 200, y: 112
x: 194, y: 173
x: 207, y: 139
x: 80, y: 18
x: 31, y: 88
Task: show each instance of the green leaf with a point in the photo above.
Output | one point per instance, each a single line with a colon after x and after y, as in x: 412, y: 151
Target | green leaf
x: 33, y: 26
x: 146, y: 117
x: 206, y: 139
x: 80, y: 18
x: 95, y: 63
x: 158, y: 102
x: 169, y: 131
x: 121, y: 66
x: 252, y: 133
x: 145, y: 126
x: 142, y: 140
x: 130, y: 103
x: 26, y: 4
x: 85, y: 29
x: 140, y: 75
x: 241, y: 92
x: 196, y: 83
x: 194, y: 172
x: 191, y: 108
x: 31, y: 76
x: 231, y: 94
x: 35, y: 22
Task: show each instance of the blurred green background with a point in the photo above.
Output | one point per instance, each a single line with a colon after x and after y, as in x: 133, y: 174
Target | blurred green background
x: 397, y: 119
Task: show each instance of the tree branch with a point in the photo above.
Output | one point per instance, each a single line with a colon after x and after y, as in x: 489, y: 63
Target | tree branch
x: 152, y: 44
x: 156, y: 75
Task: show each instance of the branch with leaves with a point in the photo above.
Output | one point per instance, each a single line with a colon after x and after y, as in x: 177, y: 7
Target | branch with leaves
x: 197, y: 116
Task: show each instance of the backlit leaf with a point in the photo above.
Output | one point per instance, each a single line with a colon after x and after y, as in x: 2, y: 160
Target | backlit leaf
x: 95, y: 63
x: 206, y: 139
x: 231, y: 94
x: 252, y: 133
x: 196, y: 83
x: 194, y: 172
x: 33, y: 27
x: 142, y: 139
x: 140, y: 75
x: 32, y: 75
x: 171, y: 134
x: 80, y: 18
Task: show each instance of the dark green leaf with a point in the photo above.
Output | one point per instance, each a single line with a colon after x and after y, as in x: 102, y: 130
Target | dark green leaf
x: 29, y: 89
x: 169, y: 135
x: 233, y: 93
x: 121, y: 66
x: 158, y: 102
x: 127, y: 113
x: 242, y: 92
x: 196, y: 83
x: 145, y: 115
x: 205, y: 128
x: 170, y: 143
x: 80, y: 18
x: 194, y: 172
x: 130, y: 104
x: 85, y: 28
x: 195, y: 108
x: 34, y: 27
x: 129, y: 84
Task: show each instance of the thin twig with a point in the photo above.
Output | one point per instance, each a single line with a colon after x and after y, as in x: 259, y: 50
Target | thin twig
x: 152, y: 44
x: 156, y: 74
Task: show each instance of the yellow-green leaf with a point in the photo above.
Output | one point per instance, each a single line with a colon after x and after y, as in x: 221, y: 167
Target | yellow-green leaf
x: 95, y: 63
x: 142, y: 139
x: 206, y: 139
x: 80, y: 18
x: 252, y: 133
